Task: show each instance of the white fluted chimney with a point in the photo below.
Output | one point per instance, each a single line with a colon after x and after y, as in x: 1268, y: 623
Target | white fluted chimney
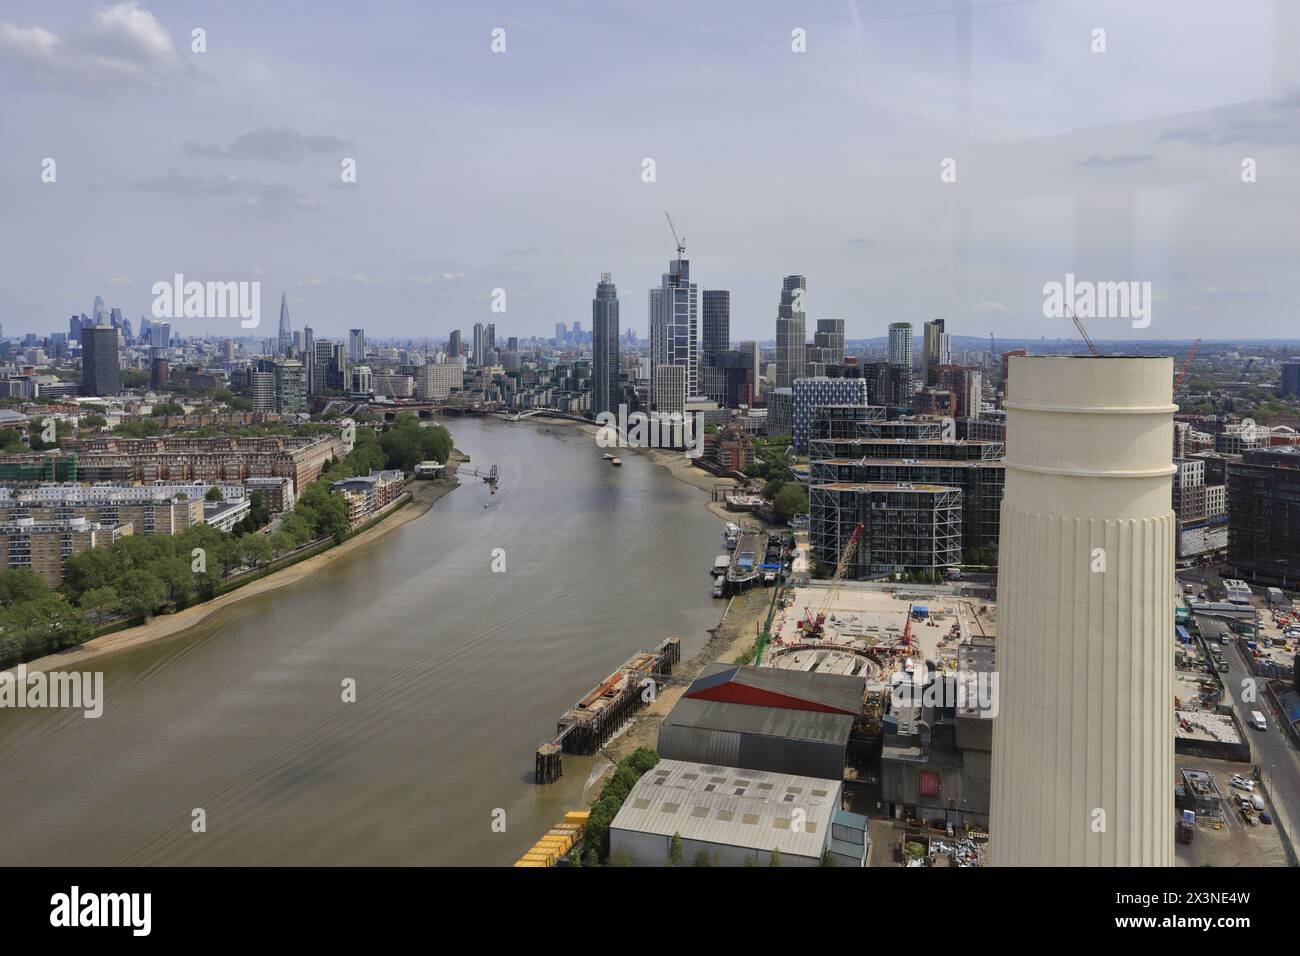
x: 1083, y: 744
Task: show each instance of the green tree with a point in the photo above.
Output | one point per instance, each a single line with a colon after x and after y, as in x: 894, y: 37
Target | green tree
x: 256, y: 549
x: 702, y: 858
x: 141, y: 593
x: 99, y: 603
x: 675, y: 851
x: 793, y: 500
x: 36, y: 432
x: 214, y: 494
x: 776, y: 857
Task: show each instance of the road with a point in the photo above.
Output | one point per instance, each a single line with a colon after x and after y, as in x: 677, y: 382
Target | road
x: 1272, y: 748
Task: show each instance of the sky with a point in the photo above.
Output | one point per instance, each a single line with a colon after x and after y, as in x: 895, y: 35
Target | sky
x: 524, y: 170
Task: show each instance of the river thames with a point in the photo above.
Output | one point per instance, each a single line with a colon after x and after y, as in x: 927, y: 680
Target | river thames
x: 460, y: 673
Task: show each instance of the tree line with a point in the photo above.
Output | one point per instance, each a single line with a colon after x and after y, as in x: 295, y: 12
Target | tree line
x: 138, y: 576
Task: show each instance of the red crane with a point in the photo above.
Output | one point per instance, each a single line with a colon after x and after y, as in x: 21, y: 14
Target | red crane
x: 1187, y: 363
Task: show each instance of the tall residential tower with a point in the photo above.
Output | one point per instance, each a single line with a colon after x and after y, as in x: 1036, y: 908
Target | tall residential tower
x: 604, y: 347
x: 791, y: 345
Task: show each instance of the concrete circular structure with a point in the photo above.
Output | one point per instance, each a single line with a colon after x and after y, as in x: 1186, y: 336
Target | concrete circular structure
x: 1083, y: 758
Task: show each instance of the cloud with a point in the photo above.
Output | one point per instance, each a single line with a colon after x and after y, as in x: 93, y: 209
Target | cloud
x: 991, y: 307
x: 262, y: 198
x: 314, y: 280
x: 523, y: 251
x: 123, y: 42
x: 444, y: 277
x: 277, y: 145
x: 859, y: 242
x: 1274, y: 122
x: 126, y: 32
x: 359, y: 279
x: 1124, y: 159
x: 120, y: 280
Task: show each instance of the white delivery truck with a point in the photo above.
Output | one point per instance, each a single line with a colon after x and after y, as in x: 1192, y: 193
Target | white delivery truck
x: 1258, y: 720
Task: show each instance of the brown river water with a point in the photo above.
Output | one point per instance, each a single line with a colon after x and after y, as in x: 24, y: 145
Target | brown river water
x: 460, y: 674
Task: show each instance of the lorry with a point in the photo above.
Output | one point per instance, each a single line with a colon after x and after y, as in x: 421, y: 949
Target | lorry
x: 1187, y: 827
x: 1258, y: 720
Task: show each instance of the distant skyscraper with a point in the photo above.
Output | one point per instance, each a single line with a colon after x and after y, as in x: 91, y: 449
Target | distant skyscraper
x: 74, y: 329
x: 479, y: 353
x: 936, y: 349
x: 829, y: 338
x: 1291, y: 378
x: 101, y: 372
x: 97, y: 312
x: 453, y: 344
x: 285, y: 343
x: 308, y: 347
x: 716, y: 314
x: 357, y: 345
x: 561, y: 332
x: 791, y: 344
x: 160, y: 335
x: 491, y: 335
x: 512, y: 344
x: 604, y: 347
x: 754, y: 356
x: 900, y: 363
x: 674, y: 335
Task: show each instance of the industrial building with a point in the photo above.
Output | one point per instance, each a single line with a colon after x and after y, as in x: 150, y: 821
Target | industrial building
x: 905, y: 526
x: 1083, y: 745
x: 733, y: 814
x: 936, y: 762
x: 759, y: 718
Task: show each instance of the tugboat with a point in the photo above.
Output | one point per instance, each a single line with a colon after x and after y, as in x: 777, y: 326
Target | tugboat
x: 616, y: 462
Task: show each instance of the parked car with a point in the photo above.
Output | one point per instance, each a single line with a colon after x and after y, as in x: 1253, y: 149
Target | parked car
x: 1242, y: 783
x: 1264, y: 817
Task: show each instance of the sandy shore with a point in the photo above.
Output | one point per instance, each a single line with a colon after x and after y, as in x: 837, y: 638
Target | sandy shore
x: 423, y: 495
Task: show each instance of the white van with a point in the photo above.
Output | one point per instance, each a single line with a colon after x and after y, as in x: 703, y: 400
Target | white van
x: 1258, y: 720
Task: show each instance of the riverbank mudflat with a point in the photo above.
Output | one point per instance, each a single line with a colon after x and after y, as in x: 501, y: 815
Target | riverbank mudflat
x: 423, y: 496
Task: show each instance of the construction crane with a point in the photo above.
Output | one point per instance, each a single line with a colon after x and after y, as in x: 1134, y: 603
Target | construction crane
x: 1083, y: 332
x: 1187, y: 363
x: 812, y: 626
x: 681, y: 243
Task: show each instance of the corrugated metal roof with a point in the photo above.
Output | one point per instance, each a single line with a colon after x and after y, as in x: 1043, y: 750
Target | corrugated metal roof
x: 842, y: 692
x: 764, y: 721
x: 700, y: 802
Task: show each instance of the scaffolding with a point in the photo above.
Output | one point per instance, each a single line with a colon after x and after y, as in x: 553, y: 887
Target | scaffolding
x: 906, y: 527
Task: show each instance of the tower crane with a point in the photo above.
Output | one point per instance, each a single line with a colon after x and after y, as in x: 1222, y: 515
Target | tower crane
x: 1187, y: 363
x: 1083, y: 332
x: 812, y: 627
x: 681, y: 243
